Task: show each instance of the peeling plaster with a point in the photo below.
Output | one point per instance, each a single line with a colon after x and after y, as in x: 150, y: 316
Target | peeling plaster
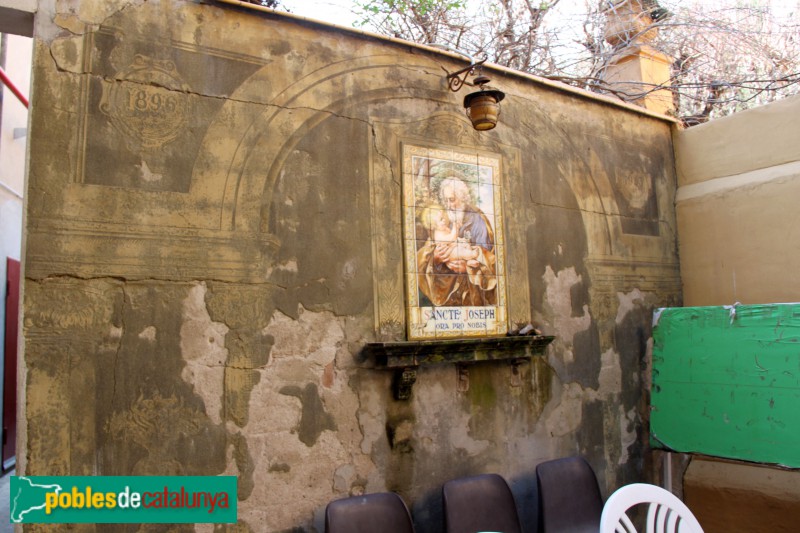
x: 80, y: 17
x: 558, y: 297
x: 68, y: 53
x: 99, y: 12
x: 284, y: 411
x: 430, y: 401
x: 610, y: 378
x: 147, y: 174
x: 371, y: 416
x: 203, y: 349
x: 288, y: 266
x: 313, y: 337
x: 115, y: 333
x: 202, y: 339
x: 149, y: 333
x: 648, y: 371
x: 567, y: 415
x: 310, y: 479
x: 627, y: 303
x: 434, y: 398
x: 314, y: 419
x: 303, y: 443
x: 627, y: 430
x: 460, y: 438
x: 343, y: 477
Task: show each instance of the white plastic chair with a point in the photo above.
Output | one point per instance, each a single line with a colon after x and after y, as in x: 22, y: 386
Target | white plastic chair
x: 666, y: 513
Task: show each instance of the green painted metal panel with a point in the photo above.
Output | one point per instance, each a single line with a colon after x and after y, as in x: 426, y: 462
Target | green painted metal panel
x: 726, y: 382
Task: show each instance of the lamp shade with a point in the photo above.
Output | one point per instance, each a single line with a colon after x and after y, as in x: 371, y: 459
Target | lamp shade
x: 483, y: 108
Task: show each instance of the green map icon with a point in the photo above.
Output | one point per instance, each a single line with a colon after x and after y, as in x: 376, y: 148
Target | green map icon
x: 28, y: 497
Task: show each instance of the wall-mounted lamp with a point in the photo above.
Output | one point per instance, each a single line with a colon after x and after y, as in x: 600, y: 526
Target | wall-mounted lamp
x: 482, y: 106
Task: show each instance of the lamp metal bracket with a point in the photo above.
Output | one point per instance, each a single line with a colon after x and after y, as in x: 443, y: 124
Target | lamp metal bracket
x: 455, y: 81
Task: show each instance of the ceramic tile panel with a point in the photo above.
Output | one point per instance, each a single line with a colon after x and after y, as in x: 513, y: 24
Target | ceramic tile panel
x: 453, y: 242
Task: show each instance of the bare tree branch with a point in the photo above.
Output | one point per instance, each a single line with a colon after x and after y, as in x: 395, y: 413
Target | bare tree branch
x: 728, y: 55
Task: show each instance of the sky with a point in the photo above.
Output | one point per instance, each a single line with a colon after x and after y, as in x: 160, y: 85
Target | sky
x: 343, y: 12
x: 339, y: 12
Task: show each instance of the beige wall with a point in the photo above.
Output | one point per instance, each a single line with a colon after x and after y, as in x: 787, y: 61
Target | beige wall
x: 220, y: 262
x: 739, y: 178
x: 738, y: 235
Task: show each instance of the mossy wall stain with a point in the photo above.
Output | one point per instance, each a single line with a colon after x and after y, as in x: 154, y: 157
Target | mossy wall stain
x: 482, y: 393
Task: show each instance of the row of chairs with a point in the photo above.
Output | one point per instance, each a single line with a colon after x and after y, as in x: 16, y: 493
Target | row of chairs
x: 569, y: 501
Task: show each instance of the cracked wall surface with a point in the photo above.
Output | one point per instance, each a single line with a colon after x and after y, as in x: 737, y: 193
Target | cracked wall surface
x: 214, y: 235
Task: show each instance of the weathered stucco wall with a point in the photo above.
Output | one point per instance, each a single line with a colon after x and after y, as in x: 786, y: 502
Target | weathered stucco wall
x: 738, y: 177
x: 214, y: 236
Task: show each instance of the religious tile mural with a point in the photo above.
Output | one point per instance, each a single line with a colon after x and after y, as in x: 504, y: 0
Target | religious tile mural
x: 454, y: 248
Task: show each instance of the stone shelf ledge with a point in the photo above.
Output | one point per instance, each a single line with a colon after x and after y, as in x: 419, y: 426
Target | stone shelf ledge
x: 405, y: 357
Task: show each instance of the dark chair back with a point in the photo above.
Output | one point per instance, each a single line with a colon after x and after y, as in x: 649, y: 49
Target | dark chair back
x: 381, y: 512
x: 569, y: 497
x: 479, y: 503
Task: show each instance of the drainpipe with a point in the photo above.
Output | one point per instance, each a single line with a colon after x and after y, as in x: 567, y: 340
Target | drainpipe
x: 13, y: 88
